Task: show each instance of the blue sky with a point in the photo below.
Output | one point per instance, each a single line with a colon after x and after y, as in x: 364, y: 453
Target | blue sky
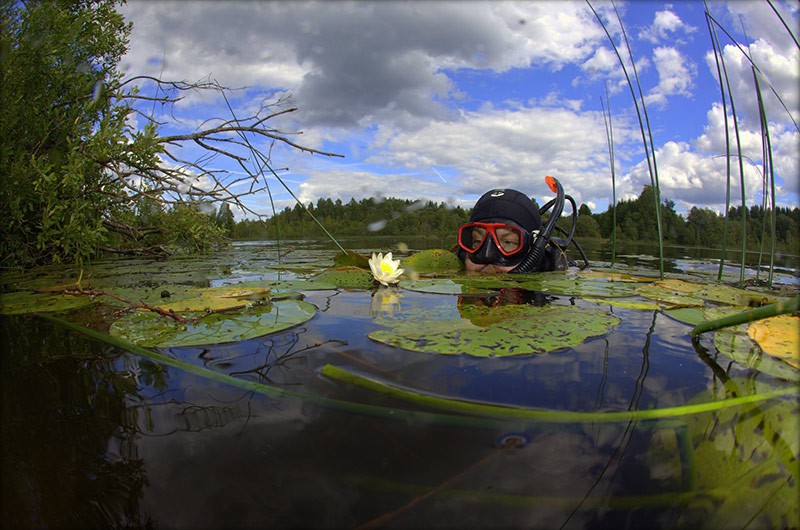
x: 443, y: 101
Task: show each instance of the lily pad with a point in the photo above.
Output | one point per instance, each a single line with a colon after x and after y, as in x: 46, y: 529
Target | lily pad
x: 612, y: 276
x: 347, y: 278
x: 680, y: 292
x: 735, y: 343
x: 22, y: 302
x: 573, y: 285
x: 501, y: 331
x: 687, y: 315
x: 670, y: 298
x: 431, y: 261
x: 351, y: 259
x: 642, y: 305
x: 779, y: 337
x: 149, y: 329
x: 218, y: 298
x: 450, y: 286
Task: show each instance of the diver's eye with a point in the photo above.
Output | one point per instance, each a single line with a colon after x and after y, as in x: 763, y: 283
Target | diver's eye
x: 478, y: 234
x: 509, y: 240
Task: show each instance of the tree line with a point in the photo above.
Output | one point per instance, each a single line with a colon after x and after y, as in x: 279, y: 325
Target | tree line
x: 634, y: 222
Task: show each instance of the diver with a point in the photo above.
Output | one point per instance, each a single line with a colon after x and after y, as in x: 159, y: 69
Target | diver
x: 505, y: 234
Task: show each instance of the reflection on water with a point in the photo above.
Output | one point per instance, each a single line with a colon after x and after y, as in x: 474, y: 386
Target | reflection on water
x: 94, y: 437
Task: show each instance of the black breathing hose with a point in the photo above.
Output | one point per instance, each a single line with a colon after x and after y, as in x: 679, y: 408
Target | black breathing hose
x: 533, y: 260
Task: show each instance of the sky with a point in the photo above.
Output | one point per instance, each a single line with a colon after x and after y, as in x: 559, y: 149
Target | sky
x: 444, y: 101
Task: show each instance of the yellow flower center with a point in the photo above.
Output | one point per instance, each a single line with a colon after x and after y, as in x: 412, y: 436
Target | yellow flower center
x: 387, y: 268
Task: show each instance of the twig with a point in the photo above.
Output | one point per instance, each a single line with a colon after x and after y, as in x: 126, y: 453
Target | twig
x: 131, y: 305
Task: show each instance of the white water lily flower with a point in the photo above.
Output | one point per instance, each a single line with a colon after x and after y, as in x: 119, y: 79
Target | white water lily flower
x: 385, y: 269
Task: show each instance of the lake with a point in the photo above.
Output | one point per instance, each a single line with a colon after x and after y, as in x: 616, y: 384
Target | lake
x: 370, y: 411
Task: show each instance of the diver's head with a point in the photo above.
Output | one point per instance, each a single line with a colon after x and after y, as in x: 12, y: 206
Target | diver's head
x: 500, y: 229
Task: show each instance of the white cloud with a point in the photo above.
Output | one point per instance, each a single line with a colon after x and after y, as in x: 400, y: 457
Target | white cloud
x: 666, y: 25
x: 675, y: 74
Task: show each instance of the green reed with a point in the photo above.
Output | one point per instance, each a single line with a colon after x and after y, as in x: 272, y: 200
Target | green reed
x: 610, y: 140
x: 644, y: 121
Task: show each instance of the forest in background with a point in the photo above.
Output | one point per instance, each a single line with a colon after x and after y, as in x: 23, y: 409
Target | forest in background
x: 634, y: 219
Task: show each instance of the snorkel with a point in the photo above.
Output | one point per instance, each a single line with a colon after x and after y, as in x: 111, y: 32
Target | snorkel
x: 533, y: 260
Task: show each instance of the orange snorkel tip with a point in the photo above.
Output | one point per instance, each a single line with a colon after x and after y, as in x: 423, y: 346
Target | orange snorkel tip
x: 552, y: 183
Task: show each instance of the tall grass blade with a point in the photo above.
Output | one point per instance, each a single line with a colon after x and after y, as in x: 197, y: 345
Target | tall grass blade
x: 610, y: 140
x: 785, y: 25
x: 647, y: 146
x: 724, y: 100
x: 768, y: 173
x: 760, y: 73
x: 739, y: 153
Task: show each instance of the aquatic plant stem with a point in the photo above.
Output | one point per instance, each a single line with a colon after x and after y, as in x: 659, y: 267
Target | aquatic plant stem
x: 740, y: 157
x: 768, y: 170
x: 647, y: 146
x: 724, y: 101
x: 541, y: 416
x: 767, y: 311
x: 610, y: 141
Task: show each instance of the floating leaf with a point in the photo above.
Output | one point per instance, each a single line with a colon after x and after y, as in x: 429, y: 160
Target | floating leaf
x: 735, y: 343
x: 29, y: 302
x: 500, y: 331
x: 217, y: 298
x: 347, y: 277
x: 450, y: 286
x: 680, y: 292
x: 662, y: 293
x: 351, y: 259
x: 572, y: 285
x: 152, y: 330
x: 625, y: 304
x: 611, y: 276
x: 687, y: 315
x: 779, y: 337
x: 432, y: 260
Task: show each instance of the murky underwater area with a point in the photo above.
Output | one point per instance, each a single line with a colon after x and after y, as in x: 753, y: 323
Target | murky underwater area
x: 336, y: 422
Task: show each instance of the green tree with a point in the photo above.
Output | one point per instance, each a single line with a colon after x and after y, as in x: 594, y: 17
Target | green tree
x: 74, y: 169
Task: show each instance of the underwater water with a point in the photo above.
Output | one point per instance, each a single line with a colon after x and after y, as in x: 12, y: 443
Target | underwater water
x: 354, y: 418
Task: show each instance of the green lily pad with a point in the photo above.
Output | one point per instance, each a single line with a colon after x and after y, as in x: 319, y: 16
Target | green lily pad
x: 642, y: 305
x: 431, y: 261
x: 501, y: 331
x: 573, y: 285
x: 21, y: 302
x: 450, y: 286
x: 347, y: 278
x: 149, y: 329
x: 680, y: 292
x: 351, y: 259
x: 218, y: 298
x: 687, y: 315
x: 667, y: 297
x: 735, y: 343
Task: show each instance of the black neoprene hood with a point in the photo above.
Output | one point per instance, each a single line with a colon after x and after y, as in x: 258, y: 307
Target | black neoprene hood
x: 507, y: 204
